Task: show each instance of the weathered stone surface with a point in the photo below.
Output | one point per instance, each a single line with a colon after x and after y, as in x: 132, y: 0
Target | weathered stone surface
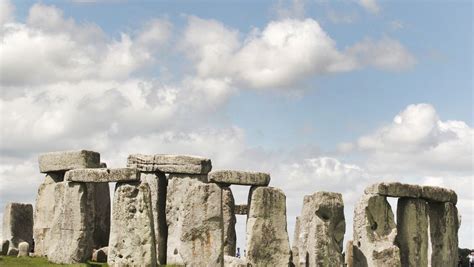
x: 78, y: 214
x: 230, y: 261
x: 195, y: 222
x: 5, y: 246
x: 412, y: 231
x: 374, y: 233
x: 394, y: 189
x: 132, y: 237
x: 170, y: 163
x: 18, y: 223
x: 100, y: 255
x: 444, y: 225
x: 102, y: 175
x: 239, y: 177
x: 158, y: 183
x: 267, y: 237
x: 322, y: 228
x: 439, y: 194
x: 12, y: 251
x: 23, y: 249
x: 228, y: 213
x: 68, y: 160
x: 295, y: 258
x: 241, y: 209
x: 349, y: 255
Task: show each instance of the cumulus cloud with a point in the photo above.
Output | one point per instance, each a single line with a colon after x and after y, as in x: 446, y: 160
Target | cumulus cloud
x: 370, y: 5
x: 6, y: 11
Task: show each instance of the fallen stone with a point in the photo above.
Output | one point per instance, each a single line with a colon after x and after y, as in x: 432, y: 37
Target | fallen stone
x: 170, y: 163
x: 5, y: 246
x: 230, y: 261
x: 412, y: 231
x: 132, y: 237
x: 23, y: 249
x: 195, y: 222
x: 322, y: 229
x: 374, y: 233
x: 394, y: 189
x: 349, y: 255
x: 439, y: 194
x: 12, y: 252
x: 158, y: 183
x: 228, y: 210
x: 241, y: 209
x: 444, y: 225
x: 295, y: 258
x: 18, y: 224
x: 239, y: 177
x: 68, y: 160
x: 102, y: 175
x: 100, y: 255
x: 267, y: 237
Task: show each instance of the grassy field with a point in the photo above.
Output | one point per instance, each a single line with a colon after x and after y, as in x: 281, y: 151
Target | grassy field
x: 37, y: 261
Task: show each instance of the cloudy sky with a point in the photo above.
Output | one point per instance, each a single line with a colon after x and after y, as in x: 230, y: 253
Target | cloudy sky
x: 324, y: 95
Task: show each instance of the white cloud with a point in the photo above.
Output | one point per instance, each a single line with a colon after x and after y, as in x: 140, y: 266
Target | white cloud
x: 6, y: 11
x: 370, y: 5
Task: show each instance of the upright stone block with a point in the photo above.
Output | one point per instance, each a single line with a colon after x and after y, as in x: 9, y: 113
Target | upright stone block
x: 228, y: 212
x: 349, y: 255
x: 322, y: 228
x: 444, y: 225
x: 374, y: 233
x: 132, y: 237
x: 295, y: 245
x: 18, y: 224
x: 412, y: 231
x: 195, y: 222
x: 229, y: 177
x: 68, y: 160
x: 170, y: 163
x: 23, y: 249
x: 267, y: 237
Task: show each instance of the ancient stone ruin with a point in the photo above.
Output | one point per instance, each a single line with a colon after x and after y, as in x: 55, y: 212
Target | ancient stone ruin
x: 171, y: 209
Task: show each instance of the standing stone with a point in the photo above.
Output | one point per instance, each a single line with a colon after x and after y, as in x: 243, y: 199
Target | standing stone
x: 23, y: 249
x: 412, y: 232
x: 158, y: 183
x: 132, y: 237
x: 241, y: 209
x: 322, y: 228
x: 5, y: 246
x: 444, y: 224
x: 295, y: 259
x: 349, y: 256
x: 267, y: 237
x: 67, y: 160
x: 100, y: 255
x: 374, y: 233
x: 18, y: 223
x: 230, y: 261
x: 228, y: 210
x: 195, y: 222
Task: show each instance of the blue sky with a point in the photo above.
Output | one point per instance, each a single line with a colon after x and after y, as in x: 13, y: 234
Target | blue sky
x: 324, y: 95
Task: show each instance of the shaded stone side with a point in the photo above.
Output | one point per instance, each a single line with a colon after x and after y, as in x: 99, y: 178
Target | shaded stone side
x: 18, y: 224
x: 267, y: 236
x: 349, y: 254
x: 374, y: 233
x: 101, y: 208
x: 295, y: 259
x: 412, y: 231
x: 322, y: 228
x: 132, y: 237
x: 228, y: 213
x: 444, y: 224
x: 195, y: 222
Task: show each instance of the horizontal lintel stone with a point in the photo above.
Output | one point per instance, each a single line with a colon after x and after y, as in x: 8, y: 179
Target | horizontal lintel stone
x: 394, y: 189
x: 239, y: 177
x: 170, y: 163
x: 439, y: 194
x: 102, y: 175
x: 68, y: 160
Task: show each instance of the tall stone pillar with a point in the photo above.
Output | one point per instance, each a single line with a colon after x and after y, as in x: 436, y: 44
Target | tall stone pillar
x: 18, y: 224
x: 229, y: 220
x: 444, y: 224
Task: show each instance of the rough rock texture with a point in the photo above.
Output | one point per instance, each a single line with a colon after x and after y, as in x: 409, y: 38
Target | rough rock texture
x: 322, y: 228
x: 295, y: 259
x: 349, y: 254
x: 230, y: 261
x: 5, y: 246
x: 18, y: 223
x: 170, y: 163
x: 239, y: 177
x: 439, y: 194
x: 394, y: 189
x: 132, y: 236
x: 241, y: 209
x: 195, y: 222
x: 444, y: 225
x: 228, y: 213
x: 158, y: 183
x: 412, y: 231
x: 68, y: 160
x: 100, y: 255
x: 374, y: 233
x: 80, y: 221
x: 267, y: 237
x: 23, y: 249
x: 102, y: 175
x: 12, y: 252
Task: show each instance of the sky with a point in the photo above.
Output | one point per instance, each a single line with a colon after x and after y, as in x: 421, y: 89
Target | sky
x: 323, y: 95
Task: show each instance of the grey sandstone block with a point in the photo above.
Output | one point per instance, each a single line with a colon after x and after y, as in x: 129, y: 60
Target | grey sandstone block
x: 439, y: 194
x: 170, y: 163
x: 239, y: 177
x: 68, y: 160
x: 394, y: 189
x: 102, y: 175
x: 18, y: 224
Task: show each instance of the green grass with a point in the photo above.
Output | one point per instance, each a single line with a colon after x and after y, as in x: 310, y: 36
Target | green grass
x: 38, y: 261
